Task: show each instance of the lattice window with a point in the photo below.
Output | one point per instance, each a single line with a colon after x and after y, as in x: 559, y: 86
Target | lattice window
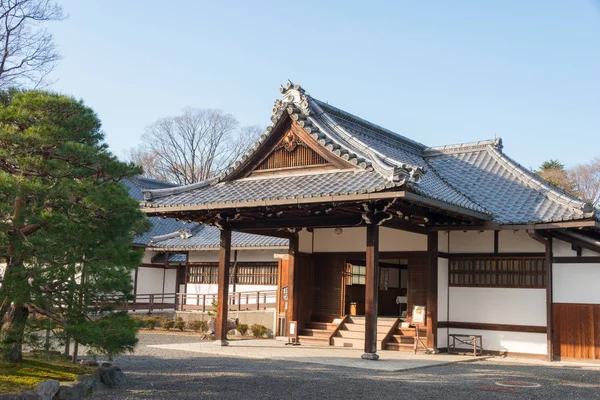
x: 498, y: 272
x: 245, y: 273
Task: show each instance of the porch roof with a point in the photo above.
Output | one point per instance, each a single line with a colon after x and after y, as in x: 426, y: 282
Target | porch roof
x: 169, y: 234
x: 474, y: 179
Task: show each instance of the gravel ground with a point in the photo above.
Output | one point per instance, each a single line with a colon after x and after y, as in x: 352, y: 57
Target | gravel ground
x: 167, y: 374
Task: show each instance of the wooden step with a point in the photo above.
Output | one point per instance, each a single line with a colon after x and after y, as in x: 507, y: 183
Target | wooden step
x: 348, y: 342
x: 315, y: 332
x: 316, y: 340
x: 399, y: 346
x: 358, y: 334
x: 402, y: 339
x: 321, y: 325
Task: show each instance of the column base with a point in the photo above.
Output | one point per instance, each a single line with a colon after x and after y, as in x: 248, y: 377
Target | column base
x: 370, y: 356
x: 221, y: 343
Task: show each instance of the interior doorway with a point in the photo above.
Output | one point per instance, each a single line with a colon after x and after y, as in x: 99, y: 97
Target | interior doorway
x: 393, y: 287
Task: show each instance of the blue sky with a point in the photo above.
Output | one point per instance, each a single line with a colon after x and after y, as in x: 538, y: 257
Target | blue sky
x: 439, y: 72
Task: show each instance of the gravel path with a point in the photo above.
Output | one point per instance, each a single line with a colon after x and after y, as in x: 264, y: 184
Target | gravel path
x: 167, y: 374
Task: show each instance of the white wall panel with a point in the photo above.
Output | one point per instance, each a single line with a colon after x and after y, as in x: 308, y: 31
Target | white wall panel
x: 397, y: 240
x: 498, y: 306
x: 471, y: 242
x: 354, y: 240
x: 305, y: 241
x: 150, y: 280
x: 576, y: 283
x: 511, y: 342
x: 442, y: 289
x: 562, y: 249
x: 518, y: 242
x: 147, y: 257
x: 351, y: 240
x: 443, y: 241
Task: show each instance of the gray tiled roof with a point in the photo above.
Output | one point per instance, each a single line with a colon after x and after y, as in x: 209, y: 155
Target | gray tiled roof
x: 167, y: 232
x: 208, y: 237
x: 476, y: 176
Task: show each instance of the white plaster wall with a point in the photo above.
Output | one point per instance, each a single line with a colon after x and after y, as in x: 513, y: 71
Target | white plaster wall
x: 498, y: 306
x: 562, y: 249
x: 471, y: 242
x: 442, y: 289
x: 443, y: 241
x: 589, y: 253
x: 442, y: 337
x: 147, y: 257
x: 354, y: 240
x: 511, y: 342
x: 576, y: 283
x: 305, y: 241
x: 351, y: 240
x: 170, y: 281
x: 518, y: 242
x: 150, y: 280
x: 397, y: 240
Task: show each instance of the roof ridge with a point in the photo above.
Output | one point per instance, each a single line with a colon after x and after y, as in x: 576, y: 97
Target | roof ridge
x: 150, y: 194
x: 463, y: 147
x: 153, y: 180
x: 541, y: 185
x: 370, y: 125
x: 451, y: 186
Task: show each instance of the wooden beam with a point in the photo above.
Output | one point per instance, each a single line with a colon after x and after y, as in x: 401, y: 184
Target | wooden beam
x: 496, y: 241
x: 273, y: 233
x: 299, y: 222
x: 432, y: 290
x: 549, y: 299
x: 406, y: 226
x: 292, y: 310
x: 223, y: 286
x: 576, y: 241
x: 576, y: 260
x: 492, y: 327
x: 371, y: 292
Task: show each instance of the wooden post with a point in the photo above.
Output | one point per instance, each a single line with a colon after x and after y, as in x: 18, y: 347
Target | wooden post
x: 223, y: 287
x: 292, y: 311
x: 432, y: 291
x: 372, y: 292
x: 549, y: 299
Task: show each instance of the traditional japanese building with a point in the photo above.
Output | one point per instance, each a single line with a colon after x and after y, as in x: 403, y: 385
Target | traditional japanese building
x: 182, y: 258
x: 379, y: 223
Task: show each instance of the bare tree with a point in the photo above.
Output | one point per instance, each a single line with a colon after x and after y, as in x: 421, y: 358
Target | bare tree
x: 586, y: 180
x: 28, y: 53
x: 191, y: 147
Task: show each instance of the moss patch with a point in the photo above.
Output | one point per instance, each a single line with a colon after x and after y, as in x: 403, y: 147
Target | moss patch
x: 36, y: 368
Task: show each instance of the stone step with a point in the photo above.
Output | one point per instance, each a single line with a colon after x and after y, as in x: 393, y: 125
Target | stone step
x: 352, y: 342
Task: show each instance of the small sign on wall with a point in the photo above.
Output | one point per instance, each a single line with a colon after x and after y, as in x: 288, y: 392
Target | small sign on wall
x: 418, y: 315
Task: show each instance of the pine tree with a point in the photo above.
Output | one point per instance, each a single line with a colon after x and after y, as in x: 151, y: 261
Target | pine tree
x: 66, y: 223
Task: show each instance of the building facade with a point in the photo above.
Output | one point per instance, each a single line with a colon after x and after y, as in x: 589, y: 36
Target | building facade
x: 381, y: 226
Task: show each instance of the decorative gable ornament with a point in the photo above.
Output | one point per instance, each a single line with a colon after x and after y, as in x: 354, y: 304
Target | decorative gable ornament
x: 290, y: 141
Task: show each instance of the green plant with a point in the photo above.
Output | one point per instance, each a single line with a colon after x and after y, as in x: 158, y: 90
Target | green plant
x: 242, y: 329
x: 180, y: 324
x: 258, y: 331
x: 198, y: 326
x: 150, y: 322
x: 168, y: 325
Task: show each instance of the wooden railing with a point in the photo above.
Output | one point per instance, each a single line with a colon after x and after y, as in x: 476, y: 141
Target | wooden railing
x: 237, y: 301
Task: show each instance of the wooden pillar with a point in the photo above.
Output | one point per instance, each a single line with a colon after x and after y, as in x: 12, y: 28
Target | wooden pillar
x: 372, y: 292
x: 223, y: 287
x: 549, y: 299
x: 432, y: 290
x: 292, y: 307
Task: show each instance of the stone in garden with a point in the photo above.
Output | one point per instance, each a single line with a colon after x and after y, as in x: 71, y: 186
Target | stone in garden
x: 89, y: 363
x: 212, y: 325
x: 111, y: 376
x: 106, y: 364
x: 46, y: 390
